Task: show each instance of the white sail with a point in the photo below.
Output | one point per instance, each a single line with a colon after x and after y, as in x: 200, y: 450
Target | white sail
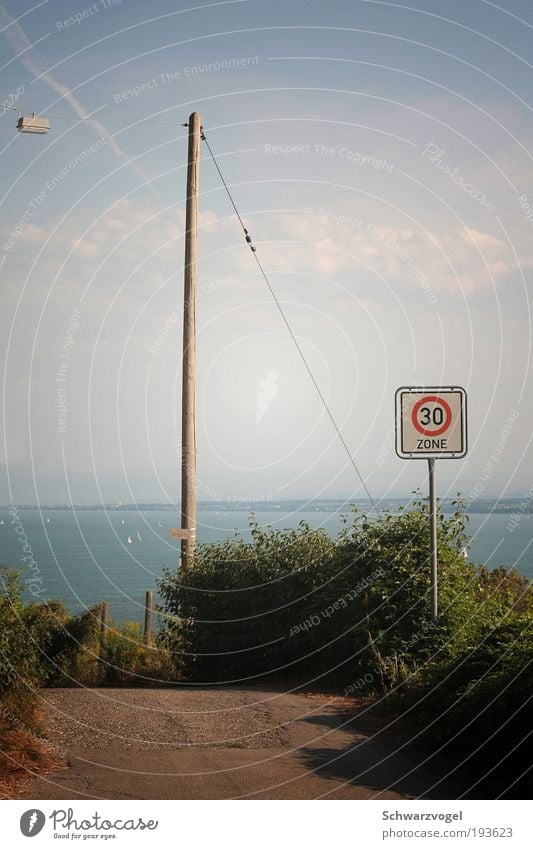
x: 130, y: 540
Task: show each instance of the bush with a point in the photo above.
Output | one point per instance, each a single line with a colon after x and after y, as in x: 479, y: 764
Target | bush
x: 19, y: 662
x: 355, y: 610
x: 67, y: 645
x: 230, y: 614
x: 479, y: 703
x: 128, y: 661
x: 296, y: 601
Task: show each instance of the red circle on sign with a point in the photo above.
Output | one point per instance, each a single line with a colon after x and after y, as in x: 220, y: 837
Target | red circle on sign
x: 436, y: 400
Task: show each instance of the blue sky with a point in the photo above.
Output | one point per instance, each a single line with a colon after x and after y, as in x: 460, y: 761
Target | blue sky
x: 380, y: 154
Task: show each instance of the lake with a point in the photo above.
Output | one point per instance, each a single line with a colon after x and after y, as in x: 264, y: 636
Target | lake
x: 85, y: 556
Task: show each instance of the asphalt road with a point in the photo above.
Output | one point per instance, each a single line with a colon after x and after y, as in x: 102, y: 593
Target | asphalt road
x: 190, y: 743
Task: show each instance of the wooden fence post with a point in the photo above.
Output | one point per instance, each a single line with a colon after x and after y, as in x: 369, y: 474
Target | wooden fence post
x: 104, y: 613
x: 148, y: 610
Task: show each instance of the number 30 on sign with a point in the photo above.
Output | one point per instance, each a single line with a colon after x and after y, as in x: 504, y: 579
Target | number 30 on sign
x: 430, y: 422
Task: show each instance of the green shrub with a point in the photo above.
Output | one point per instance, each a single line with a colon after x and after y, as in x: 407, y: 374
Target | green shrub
x: 19, y: 666
x: 231, y: 614
x: 479, y: 704
x: 128, y: 661
x: 296, y: 601
x: 355, y: 610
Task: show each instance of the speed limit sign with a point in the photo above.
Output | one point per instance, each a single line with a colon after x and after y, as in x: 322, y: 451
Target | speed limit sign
x: 430, y: 422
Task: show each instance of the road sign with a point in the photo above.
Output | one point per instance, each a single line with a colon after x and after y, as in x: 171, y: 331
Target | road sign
x: 181, y: 533
x: 430, y: 422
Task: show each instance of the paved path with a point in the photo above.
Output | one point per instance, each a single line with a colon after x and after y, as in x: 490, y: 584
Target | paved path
x: 193, y: 743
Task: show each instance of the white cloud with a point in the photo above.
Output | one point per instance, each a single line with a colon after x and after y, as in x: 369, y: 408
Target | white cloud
x: 462, y: 260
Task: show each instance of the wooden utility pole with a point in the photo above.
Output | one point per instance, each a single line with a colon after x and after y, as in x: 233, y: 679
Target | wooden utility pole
x: 188, y: 421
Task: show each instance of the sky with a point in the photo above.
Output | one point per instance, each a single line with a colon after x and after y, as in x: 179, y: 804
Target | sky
x: 380, y: 154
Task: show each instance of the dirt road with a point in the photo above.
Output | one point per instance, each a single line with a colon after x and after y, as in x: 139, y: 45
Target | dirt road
x: 193, y: 743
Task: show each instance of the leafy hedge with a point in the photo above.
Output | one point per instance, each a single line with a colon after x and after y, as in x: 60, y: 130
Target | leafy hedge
x: 41, y: 644
x: 126, y: 661
x: 353, y: 609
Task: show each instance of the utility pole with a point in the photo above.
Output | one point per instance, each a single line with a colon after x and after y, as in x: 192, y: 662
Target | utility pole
x: 188, y: 409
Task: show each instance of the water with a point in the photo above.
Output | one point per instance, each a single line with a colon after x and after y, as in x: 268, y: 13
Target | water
x: 84, y: 557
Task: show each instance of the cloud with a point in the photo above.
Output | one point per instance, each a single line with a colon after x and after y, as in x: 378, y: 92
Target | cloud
x: 137, y: 237
x: 329, y: 244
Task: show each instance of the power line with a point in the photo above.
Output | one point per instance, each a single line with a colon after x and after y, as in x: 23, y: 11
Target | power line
x: 76, y: 120
x: 287, y: 324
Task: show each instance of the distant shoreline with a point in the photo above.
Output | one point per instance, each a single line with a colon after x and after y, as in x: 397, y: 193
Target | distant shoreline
x: 487, y: 505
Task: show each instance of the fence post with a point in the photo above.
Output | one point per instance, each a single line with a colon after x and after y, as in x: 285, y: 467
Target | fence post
x: 104, y: 612
x: 148, y: 609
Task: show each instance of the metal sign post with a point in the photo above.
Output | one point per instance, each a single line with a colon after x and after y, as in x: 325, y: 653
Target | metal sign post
x: 433, y: 540
x: 431, y: 423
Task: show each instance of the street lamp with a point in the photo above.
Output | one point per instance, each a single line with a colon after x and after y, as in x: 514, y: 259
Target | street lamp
x: 32, y: 124
x: 29, y: 123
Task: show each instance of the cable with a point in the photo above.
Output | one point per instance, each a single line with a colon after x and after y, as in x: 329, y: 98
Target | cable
x: 288, y: 326
x: 77, y: 120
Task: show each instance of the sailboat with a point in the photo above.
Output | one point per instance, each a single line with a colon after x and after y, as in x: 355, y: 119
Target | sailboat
x: 139, y: 537
x: 130, y: 540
